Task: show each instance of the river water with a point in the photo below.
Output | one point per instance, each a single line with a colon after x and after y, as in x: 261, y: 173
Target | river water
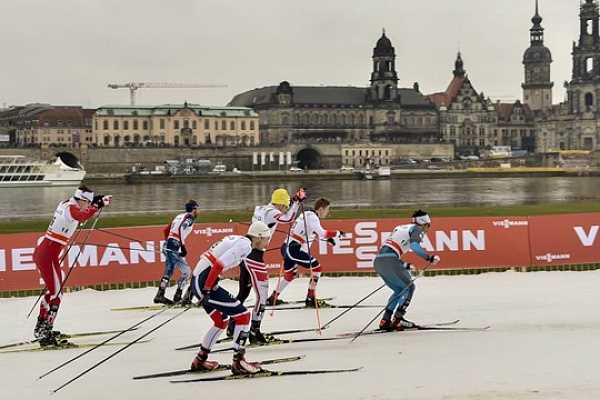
x: 32, y: 202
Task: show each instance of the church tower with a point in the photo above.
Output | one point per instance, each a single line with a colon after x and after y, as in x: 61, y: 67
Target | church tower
x: 384, y: 79
x: 584, y: 88
x: 537, y: 88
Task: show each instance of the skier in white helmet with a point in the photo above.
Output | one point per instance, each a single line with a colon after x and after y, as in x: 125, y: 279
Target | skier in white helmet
x: 220, y: 305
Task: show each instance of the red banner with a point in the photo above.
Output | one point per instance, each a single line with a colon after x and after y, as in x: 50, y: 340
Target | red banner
x: 125, y: 255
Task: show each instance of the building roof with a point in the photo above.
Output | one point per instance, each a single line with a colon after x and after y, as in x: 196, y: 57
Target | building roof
x: 446, y: 98
x: 171, y: 109
x: 323, y: 95
x: 505, y: 110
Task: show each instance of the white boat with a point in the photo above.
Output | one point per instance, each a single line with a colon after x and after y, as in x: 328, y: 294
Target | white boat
x: 19, y: 171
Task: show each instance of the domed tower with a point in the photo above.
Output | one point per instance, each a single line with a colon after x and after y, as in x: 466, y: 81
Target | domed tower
x: 384, y: 79
x: 537, y: 88
x: 584, y: 88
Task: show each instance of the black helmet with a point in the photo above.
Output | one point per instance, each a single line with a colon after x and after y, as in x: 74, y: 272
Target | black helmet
x: 191, y: 205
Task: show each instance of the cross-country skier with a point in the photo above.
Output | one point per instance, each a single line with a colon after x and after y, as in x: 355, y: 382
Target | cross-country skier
x: 67, y: 217
x: 395, y: 272
x: 174, y: 250
x: 219, y: 303
x: 295, y: 250
x: 281, y: 210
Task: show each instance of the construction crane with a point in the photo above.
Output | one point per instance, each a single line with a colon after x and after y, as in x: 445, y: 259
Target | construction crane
x: 133, y: 86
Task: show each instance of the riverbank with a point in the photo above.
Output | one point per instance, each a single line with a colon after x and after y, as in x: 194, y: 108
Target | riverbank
x: 321, y: 175
x: 114, y: 220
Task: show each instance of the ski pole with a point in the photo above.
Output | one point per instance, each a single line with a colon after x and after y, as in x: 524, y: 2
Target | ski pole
x: 412, y: 282
x: 131, y: 328
x: 352, y: 307
x: 310, y: 269
x: 120, y: 350
x: 117, y: 235
x: 120, y: 247
x: 62, y: 259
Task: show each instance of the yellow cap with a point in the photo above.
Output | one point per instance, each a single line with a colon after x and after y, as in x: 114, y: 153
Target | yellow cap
x: 281, y: 197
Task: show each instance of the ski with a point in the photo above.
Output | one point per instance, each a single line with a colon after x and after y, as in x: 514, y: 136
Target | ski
x: 271, y: 343
x: 153, y: 307
x: 223, y: 367
x: 283, y: 302
x: 275, y: 333
x: 267, y: 374
x: 68, y: 345
x: 433, y: 327
x: 303, y: 307
x: 66, y: 336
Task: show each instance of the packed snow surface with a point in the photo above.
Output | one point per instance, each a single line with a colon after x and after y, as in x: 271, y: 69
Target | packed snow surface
x: 544, y: 343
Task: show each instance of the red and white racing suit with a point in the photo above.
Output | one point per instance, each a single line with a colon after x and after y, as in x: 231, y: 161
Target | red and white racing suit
x: 46, y: 255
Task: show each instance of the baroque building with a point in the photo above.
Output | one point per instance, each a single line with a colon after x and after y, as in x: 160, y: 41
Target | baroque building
x: 574, y: 124
x: 188, y: 125
x: 382, y: 112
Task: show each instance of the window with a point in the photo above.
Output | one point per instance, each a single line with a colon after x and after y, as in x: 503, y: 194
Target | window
x: 186, y: 123
x: 176, y: 124
x: 232, y: 126
x: 145, y: 125
x: 116, y: 124
x: 194, y: 126
x: 125, y: 125
x: 251, y: 125
x: 176, y: 140
x: 105, y: 125
x: 243, y: 125
x: 162, y: 123
x: 589, y: 101
x: 223, y: 125
x: 216, y: 125
x: 135, y: 125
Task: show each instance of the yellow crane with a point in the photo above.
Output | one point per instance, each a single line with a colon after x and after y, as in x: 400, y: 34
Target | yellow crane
x: 133, y: 86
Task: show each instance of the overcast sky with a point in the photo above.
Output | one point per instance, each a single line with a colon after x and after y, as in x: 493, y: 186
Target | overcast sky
x: 67, y: 51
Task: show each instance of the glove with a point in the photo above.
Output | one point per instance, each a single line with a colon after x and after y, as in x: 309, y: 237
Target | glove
x: 299, y: 196
x: 433, y: 259
x: 205, y: 296
x: 331, y: 241
x: 341, y: 233
x: 408, y: 266
x: 106, y: 200
x: 97, y: 201
x: 183, y: 251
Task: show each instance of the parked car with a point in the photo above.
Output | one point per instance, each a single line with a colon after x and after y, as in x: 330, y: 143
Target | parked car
x: 219, y: 168
x: 436, y: 159
x: 295, y: 169
x: 347, y: 168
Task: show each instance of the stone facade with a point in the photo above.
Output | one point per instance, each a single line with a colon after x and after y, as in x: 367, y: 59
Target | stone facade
x: 382, y: 112
x: 188, y: 125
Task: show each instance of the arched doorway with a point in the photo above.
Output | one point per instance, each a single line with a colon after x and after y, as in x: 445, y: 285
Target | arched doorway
x: 309, y: 159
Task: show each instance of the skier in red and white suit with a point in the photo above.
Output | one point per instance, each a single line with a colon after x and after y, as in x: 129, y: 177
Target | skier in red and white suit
x: 220, y: 305
x: 68, y: 215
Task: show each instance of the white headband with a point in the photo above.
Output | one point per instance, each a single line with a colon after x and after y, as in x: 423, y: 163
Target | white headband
x: 83, y: 195
x: 422, y: 220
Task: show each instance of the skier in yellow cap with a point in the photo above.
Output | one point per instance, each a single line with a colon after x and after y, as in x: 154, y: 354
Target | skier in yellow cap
x: 281, y: 210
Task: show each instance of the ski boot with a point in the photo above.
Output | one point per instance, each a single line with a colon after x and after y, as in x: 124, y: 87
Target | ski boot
x: 272, y: 302
x: 177, y: 296
x: 41, y: 328
x: 401, y: 324
x: 311, y: 302
x: 160, y: 297
x: 186, y: 300
x: 257, y: 338
x: 385, y: 325
x: 242, y: 367
x: 201, y: 362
